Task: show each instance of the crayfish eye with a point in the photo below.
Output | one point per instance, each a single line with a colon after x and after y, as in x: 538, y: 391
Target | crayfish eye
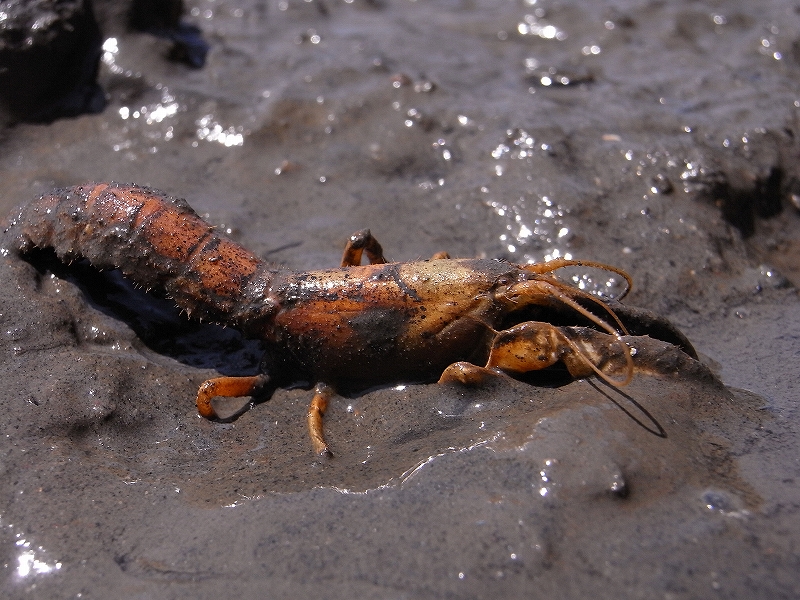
x: 508, y: 279
x: 503, y: 283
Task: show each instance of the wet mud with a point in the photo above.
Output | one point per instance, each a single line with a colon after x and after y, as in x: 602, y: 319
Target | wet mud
x: 661, y: 138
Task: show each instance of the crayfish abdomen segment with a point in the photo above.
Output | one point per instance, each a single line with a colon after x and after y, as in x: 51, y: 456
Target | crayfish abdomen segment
x: 156, y: 240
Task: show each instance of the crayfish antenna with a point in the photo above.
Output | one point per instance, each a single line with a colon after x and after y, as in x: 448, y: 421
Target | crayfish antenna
x: 566, y: 293
x: 559, y: 288
x: 559, y: 263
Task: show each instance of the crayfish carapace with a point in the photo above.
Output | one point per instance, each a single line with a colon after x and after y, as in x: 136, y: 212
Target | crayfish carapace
x: 451, y: 320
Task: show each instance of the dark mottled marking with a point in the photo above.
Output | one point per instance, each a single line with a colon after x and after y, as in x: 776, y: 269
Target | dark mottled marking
x: 393, y: 270
x: 379, y: 329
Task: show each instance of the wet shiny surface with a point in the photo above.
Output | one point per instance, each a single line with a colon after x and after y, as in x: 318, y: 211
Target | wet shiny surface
x: 649, y: 136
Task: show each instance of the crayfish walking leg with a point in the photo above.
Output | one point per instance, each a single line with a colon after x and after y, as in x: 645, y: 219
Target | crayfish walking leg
x: 359, y: 243
x: 316, y: 410
x: 236, y: 387
x: 231, y: 387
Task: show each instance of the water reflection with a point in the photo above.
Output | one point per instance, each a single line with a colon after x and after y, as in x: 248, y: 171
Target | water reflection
x: 157, y: 121
x: 533, y: 25
x: 109, y: 57
x: 32, y: 561
x: 210, y: 130
x: 533, y: 226
x: 30, y: 565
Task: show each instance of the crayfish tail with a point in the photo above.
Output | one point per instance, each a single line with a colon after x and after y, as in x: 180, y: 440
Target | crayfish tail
x: 156, y: 240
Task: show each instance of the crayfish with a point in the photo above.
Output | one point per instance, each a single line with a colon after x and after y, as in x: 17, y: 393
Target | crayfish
x: 451, y: 320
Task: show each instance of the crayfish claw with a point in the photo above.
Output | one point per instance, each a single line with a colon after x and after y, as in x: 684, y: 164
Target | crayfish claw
x: 601, y: 353
x: 533, y: 346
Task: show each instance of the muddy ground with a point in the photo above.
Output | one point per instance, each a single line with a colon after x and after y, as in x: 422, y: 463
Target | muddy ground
x: 658, y: 137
